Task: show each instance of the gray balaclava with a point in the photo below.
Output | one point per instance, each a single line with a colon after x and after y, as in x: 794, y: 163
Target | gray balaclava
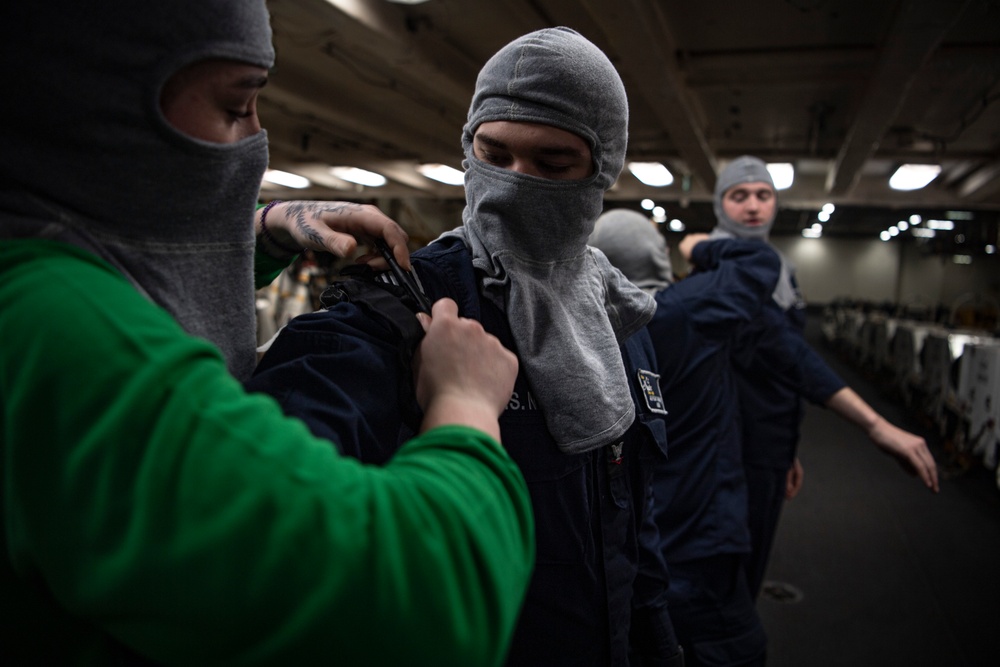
x: 567, y: 307
x: 87, y: 157
x: 632, y: 244
x: 748, y: 169
x: 745, y: 169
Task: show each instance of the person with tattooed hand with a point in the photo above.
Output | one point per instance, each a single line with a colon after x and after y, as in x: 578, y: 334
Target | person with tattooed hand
x: 152, y: 510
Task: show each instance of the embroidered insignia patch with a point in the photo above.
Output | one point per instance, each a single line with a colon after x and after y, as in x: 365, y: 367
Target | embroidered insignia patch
x: 649, y: 384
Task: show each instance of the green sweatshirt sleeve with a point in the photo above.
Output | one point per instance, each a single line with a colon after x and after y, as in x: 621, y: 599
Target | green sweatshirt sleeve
x: 147, y: 494
x: 266, y: 268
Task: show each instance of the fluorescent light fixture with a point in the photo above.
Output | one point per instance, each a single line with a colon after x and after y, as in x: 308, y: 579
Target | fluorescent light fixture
x: 279, y: 177
x: 922, y: 233
x: 359, y: 176
x: 958, y: 215
x: 652, y: 174
x: 782, y: 173
x: 812, y: 233
x: 677, y: 226
x: 647, y: 204
x: 962, y: 259
x: 442, y: 173
x: 942, y: 225
x: 885, y: 236
x: 914, y: 176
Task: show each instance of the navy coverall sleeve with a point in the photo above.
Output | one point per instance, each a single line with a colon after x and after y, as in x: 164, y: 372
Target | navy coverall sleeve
x: 790, y: 360
x: 735, y: 278
x: 318, y: 354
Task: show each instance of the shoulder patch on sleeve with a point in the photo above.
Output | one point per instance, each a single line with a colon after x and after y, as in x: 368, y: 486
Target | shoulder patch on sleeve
x: 649, y: 387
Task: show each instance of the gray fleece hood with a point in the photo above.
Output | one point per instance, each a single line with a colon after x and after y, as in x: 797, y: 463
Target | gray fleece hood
x: 749, y: 169
x: 568, y: 308
x: 632, y: 244
x: 745, y: 169
x: 87, y: 157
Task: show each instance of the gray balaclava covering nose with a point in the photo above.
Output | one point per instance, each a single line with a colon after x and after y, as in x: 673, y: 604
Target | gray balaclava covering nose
x: 748, y: 169
x: 87, y: 157
x: 568, y: 308
x: 632, y: 244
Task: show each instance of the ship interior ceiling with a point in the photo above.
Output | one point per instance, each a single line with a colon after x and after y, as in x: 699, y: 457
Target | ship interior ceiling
x: 846, y: 91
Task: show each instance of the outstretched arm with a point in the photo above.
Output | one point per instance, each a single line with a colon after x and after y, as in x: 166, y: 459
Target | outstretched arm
x: 909, y: 450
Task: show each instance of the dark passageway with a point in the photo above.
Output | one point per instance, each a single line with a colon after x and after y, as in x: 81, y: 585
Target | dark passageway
x: 889, y: 574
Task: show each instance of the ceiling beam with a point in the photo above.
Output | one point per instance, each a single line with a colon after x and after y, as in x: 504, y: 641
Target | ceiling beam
x: 376, y: 33
x: 778, y: 67
x: 917, y: 31
x: 641, y: 38
x: 325, y: 107
x: 981, y: 183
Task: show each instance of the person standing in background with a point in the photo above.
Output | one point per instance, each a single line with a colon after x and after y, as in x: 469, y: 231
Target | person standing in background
x: 746, y: 205
x: 700, y: 498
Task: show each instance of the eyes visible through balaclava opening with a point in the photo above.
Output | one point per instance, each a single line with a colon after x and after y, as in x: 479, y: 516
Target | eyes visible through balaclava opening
x: 534, y: 149
x: 214, y: 100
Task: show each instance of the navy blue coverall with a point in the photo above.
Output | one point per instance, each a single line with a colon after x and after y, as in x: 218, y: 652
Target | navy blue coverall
x: 701, y: 501
x: 599, y: 577
x: 775, y: 370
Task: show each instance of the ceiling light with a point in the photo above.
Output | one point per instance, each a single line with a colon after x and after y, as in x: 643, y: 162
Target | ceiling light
x: 659, y: 214
x: 914, y: 176
x: 893, y: 231
x: 902, y: 225
x: 782, y: 173
x: 811, y: 233
x: 279, y: 177
x: 885, y: 236
x: 442, y: 173
x: 829, y: 208
x: 407, y: 2
x: 959, y: 215
x: 652, y: 174
x: 915, y: 219
x: 943, y: 225
x: 962, y: 259
x: 991, y: 249
x: 923, y: 233
x: 647, y: 204
x: 823, y: 216
x: 359, y: 176
x: 677, y: 226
